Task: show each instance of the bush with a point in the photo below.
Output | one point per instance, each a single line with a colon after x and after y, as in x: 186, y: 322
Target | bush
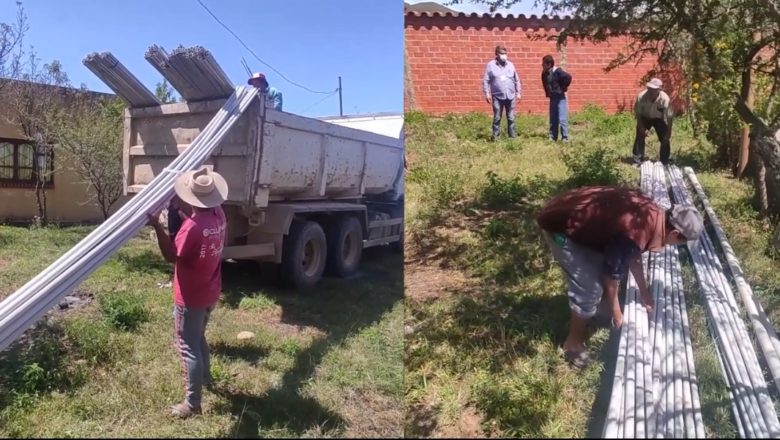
x: 500, y: 193
x: 93, y: 340
x: 31, y: 368
x: 594, y: 167
x: 440, y: 188
x: 123, y: 311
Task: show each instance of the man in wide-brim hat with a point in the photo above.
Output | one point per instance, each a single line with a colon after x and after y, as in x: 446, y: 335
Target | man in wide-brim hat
x: 196, y: 252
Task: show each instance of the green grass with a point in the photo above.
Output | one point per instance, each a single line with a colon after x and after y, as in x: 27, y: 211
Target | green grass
x: 490, y: 345
x: 327, y: 364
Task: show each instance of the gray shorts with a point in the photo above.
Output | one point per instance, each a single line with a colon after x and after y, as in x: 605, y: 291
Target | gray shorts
x: 583, y: 268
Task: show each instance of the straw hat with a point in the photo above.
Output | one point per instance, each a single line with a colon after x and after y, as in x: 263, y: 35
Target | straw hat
x: 202, y: 188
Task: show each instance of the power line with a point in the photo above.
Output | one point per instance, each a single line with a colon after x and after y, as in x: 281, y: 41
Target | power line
x: 319, y: 102
x: 258, y: 58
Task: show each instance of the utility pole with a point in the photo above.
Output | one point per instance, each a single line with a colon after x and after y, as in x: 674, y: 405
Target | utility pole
x: 341, y: 107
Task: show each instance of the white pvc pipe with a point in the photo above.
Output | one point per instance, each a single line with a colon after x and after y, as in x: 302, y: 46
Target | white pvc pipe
x: 628, y: 321
x: 743, y: 423
x: 745, y: 376
x: 97, y: 235
x: 767, y: 338
x: 15, y: 317
x: 751, y: 361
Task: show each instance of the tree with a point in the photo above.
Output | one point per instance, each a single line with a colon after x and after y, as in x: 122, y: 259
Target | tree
x: 89, y: 131
x: 165, y: 92
x: 11, y: 37
x: 733, y: 45
x: 30, y: 101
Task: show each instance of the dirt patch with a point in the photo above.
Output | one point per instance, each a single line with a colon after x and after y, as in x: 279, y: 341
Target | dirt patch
x: 421, y: 420
x: 424, y: 282
x: 469, y: 425
x: 76, y: 300
x: 272, y: 319
x: 372, y: 415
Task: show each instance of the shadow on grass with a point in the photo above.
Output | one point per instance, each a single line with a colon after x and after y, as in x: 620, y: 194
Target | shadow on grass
x: 340, y: 308
x: 146, y: 261
x: 251, y: 354
x: 697, y: 159
x: 488, y: 329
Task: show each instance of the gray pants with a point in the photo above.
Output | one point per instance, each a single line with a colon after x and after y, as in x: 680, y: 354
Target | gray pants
x: 583, y: 268
x: 190, y: 339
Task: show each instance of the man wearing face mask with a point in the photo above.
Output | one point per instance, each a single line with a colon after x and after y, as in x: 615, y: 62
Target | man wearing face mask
x: 598, y: 234
x: 258, y: 80
x: 652, y: 110
x: 501, y: 86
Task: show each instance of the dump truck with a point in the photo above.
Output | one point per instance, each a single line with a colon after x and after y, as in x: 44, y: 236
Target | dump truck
x: 305, y: 194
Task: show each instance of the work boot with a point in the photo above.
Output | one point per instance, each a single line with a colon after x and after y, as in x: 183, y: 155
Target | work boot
x: 184, y: 410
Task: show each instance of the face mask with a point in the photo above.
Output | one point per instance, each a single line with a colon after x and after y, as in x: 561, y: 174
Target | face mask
x: 502, y: 57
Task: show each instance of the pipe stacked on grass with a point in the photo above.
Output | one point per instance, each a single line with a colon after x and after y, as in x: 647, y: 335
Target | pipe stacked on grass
x: 753, y: 408
x: 766, y: 336
x: 655, y: 392
x: 108, y: 68
x: 192, y: 71
x: 24, y: 307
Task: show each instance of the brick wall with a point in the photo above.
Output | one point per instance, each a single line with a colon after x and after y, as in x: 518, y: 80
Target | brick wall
x: 447, y: 54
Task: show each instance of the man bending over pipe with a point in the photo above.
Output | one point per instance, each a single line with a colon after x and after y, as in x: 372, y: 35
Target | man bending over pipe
x: 196, y: 252
x: 596, y: 234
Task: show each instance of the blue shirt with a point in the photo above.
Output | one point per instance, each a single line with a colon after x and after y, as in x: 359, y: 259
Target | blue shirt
x: 501, y: 82
x: 275, y: 96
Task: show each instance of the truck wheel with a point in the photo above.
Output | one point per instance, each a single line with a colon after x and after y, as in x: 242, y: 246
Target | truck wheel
x: 303, y: 255
x: 345, y: 246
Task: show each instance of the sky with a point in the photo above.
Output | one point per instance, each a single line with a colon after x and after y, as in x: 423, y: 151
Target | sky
x: 311, y: 42
x: 524, y: 7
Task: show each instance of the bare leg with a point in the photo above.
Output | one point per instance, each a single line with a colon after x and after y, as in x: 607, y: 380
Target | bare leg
x: 575, y: 342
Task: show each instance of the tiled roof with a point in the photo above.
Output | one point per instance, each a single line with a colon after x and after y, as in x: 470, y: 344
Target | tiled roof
x: 421, y: 12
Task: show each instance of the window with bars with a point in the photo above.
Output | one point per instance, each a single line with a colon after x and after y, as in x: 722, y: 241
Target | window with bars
x: 21, y: 165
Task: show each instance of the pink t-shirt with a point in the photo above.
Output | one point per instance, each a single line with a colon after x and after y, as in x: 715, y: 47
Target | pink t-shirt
x: 197, y: 279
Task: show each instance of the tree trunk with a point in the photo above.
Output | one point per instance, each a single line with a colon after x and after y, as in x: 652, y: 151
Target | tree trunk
x: 748, y: 94
x: 744, y: 148
x: 40, y: 199
x: 759, y: 182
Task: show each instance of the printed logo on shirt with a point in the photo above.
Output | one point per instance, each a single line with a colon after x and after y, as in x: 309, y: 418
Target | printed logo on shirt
x: 207, y: 232
x: 213, y: 250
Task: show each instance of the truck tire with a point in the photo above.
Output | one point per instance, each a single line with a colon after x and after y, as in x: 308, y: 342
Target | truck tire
x: 304, y: 252
x: 345, y: 246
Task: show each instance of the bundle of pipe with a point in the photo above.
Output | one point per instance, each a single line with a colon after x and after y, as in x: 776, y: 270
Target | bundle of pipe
x: 754, y: 411
x: 655, y: 393
x: 25, y: 306
x: 192, y: 71
x: 766, y: 336
x: 108, y: 68
x: 158, y: 57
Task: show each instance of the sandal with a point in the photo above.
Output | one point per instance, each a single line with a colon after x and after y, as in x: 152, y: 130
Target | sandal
x: 579, y: 360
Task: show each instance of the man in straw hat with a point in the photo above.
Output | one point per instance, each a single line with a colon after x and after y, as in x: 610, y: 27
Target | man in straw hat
x: 597, y: 234
x: 196, y: 252
x: 258, y: 80
x: 652, y: 110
